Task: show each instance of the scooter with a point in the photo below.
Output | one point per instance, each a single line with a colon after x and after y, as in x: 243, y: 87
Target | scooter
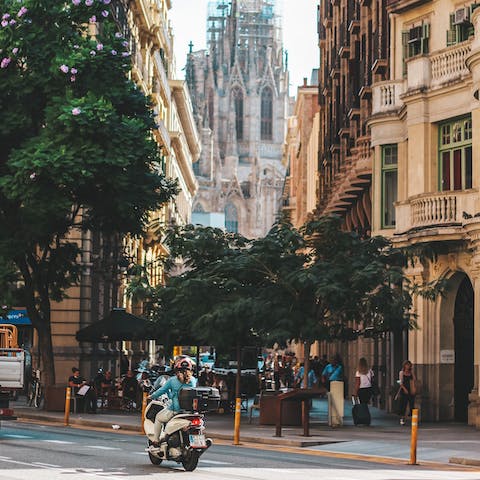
x: 182, y: 439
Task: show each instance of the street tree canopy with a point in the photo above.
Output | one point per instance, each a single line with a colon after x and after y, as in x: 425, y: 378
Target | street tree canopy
x: 315, y: 283
x: 77, y: 147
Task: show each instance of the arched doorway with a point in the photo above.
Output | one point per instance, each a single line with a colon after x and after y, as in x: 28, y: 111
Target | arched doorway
x: 464, y: 347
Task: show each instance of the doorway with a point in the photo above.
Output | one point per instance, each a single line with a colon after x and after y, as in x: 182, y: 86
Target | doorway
x: 464, y: 347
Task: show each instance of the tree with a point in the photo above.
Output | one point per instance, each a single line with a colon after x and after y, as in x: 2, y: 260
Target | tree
x: 77, y: 147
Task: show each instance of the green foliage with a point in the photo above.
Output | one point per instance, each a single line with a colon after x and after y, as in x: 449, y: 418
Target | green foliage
x: 316, y: 283
x: 76, y: 136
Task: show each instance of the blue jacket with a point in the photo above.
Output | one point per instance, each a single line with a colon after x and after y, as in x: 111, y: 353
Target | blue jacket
x: 171, y: 388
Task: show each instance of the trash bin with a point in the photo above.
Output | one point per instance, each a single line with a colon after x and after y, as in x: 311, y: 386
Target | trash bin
x: 335, y: 404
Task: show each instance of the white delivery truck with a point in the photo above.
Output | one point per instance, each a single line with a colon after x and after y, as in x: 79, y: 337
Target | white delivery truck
x: 12, y: 368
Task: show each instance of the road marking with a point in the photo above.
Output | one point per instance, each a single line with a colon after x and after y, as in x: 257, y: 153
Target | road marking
x: 11, y: 435
x: 63, y: 442
x: 215, y: 462
x: 47, y: 465
x: 100, y: 447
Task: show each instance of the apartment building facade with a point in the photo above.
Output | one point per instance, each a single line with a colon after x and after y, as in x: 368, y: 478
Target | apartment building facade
x: 425, y: 142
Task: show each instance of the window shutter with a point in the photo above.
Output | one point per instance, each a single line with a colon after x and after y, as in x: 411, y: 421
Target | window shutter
x: 451, y: 37
x: 425, y: 36
x: 405, y: 50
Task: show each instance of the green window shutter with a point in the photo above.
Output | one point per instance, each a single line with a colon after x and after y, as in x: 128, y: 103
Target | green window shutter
x: 405, y: 50
x: 425, y: 36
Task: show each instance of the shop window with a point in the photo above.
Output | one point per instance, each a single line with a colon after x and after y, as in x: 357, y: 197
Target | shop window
x: 389, y: 184
x: 455, y: 154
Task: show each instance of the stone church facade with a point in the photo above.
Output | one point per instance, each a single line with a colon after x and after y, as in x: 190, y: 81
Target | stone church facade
x: 239, y: 89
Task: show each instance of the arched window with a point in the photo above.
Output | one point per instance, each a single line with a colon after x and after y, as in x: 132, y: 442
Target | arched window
x: 231, y: 218
x: 266, y: 114
x: 210, y: 110
x: 237, y: 95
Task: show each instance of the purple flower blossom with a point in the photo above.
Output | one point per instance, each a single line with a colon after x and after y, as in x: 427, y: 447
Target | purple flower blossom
x: 118, y: 35
x: 76, y: 111
x: 32, y: 176
x: 22, y: 12
x: 12, y: 22
x: 99, y: 46
x: 125, y: 54
x: 15, y: 50
x: 93, y: 53
x: 5, y: 16
x: 93, y: 19
x: 106, y: 2
x: 125, y: 44
x: 113, y: 52
x: 73, y: 70
x: 105, y: 13
x: 4, y: 23
x: 64, y: 68
x: 76, y: 2
x: 5, y: 61
x: 88, y: 3
x: 72, y: 78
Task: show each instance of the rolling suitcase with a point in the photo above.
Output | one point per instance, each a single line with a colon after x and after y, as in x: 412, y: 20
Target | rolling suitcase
x: 360, y: 412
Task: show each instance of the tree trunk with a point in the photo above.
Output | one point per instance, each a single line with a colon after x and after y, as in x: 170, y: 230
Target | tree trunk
x: 46, y: 353
x: 306, y: 362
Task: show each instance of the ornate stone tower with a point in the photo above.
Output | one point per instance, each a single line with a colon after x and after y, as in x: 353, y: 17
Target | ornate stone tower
x: 239, y: 88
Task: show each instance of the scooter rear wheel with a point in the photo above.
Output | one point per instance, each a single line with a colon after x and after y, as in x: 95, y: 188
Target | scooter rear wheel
x: 190, y: 462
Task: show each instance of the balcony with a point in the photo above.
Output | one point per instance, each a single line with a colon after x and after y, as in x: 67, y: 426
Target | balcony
x: 161, y: 78
x: 432, y: 214
x: 449, y: 65
x: 386, y: 96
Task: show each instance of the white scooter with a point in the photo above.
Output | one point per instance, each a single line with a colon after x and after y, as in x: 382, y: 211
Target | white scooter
x: 182, y: 439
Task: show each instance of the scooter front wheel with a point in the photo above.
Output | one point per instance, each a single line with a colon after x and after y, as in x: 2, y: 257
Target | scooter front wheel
x: 190, y: 461
x: 153, y: 458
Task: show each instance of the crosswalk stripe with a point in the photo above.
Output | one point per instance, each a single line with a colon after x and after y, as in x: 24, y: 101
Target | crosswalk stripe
x: 214, y: 462
x: 100, y: 447
x: 12, y: 435
x: 59, y: 441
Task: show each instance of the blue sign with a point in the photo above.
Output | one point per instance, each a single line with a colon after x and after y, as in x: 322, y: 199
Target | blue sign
x: 17, y: 317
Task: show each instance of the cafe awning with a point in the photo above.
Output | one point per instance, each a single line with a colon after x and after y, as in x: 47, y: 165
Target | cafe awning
x: 16, y: 316
x: 118, y: 325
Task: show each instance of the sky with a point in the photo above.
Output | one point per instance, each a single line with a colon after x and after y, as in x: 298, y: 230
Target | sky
x: 300, y: 38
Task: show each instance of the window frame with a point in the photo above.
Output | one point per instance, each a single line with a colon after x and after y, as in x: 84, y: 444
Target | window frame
x: 451, y: 147
x: 231, y: 223
x: 388, y: 169
x: 238, y: 105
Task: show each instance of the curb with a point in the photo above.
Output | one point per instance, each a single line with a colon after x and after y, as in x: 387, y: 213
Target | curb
x: 471, y: 462
x: 79, y: 421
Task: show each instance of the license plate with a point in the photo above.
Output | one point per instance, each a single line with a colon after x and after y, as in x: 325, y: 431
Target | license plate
x: 197, y: 441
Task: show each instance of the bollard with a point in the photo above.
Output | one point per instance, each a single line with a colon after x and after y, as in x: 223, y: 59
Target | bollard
x: 238, y: 411
x: 68, y: 396
x: 144, y: 406
x: 413, y: 443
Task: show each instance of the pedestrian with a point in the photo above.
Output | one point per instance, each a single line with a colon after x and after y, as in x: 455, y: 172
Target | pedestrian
x: 407, y: 390
x: 363, y: 381
x: 333, y: 372
x: 83, y: 391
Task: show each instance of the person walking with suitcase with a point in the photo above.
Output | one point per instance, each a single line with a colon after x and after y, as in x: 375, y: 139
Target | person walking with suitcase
x: 362, y: 393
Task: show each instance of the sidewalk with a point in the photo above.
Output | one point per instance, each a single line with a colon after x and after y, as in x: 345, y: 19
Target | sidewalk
x: 437, y: 442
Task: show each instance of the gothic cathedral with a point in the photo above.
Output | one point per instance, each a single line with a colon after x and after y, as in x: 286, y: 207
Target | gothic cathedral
x: 239, y: 89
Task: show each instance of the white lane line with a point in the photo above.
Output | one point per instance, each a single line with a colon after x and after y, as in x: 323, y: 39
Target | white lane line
x: 46, y: 465
x: 140, y: 453
x: 215, y: 462
x: 12, y: 435
x: 100, y: 447
x: 63, y: 442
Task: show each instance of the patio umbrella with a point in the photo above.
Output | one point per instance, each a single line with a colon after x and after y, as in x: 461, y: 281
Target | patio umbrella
x: 118, y: 325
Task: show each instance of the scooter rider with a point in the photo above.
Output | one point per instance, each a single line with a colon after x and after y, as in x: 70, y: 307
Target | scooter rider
x: 183, y: 378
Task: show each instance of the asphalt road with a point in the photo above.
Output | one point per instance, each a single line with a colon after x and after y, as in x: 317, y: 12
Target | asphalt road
x: 38, y: 452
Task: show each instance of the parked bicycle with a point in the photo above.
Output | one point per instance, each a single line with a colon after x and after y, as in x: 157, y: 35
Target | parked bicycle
x: 35, y: 391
